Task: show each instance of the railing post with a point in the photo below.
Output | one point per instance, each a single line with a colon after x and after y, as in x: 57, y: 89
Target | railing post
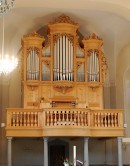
x: 8, y: 118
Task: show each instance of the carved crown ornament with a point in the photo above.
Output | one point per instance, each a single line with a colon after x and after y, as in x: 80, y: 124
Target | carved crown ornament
x: 35, y: 49
x: 33, y: 34
x: 93, y: 36
x: 58, y: 35
x: 63, y: 19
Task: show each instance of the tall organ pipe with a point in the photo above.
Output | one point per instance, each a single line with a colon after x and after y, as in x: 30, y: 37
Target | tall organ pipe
x: 93, y: 66
x: 32, y: 65
x: 63, y: 59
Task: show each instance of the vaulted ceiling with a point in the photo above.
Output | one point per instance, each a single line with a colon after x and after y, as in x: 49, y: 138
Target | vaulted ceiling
x: 110, y: 19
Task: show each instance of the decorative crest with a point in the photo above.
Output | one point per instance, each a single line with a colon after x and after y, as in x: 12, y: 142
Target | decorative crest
x: 33, y: 34
x: 64, y: 19
x: 93, y: 36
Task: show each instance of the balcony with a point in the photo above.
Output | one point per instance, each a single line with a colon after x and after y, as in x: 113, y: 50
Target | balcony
x: 64, y: 122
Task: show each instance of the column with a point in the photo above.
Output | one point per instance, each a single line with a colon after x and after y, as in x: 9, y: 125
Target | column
x: 86, y: 158
x: 9, y: 153
x: 119, y: 139
x: 45, y: 151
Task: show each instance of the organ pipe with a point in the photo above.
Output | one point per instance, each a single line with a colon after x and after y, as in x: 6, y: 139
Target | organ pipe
x: 63, y: 59
x: 32, y: 65
x: 93, y: 66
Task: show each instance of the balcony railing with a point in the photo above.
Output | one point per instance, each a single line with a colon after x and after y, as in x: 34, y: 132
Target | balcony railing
x: 55, y: 122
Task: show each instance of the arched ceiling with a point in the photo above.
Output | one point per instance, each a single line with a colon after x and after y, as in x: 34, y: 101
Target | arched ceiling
x: 110, y: 19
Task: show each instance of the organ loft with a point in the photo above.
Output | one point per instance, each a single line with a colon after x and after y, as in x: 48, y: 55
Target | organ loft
x: 63, y: 75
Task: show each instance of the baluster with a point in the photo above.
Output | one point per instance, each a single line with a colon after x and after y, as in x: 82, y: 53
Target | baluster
x: 82, y: 118
x: 31, y: 119
x: 101, y: 117
x: 112, y: 120
x: 78, y: 118
x: 13, y: 118
x: 63, y: 118
x: 86, y: 119
x: 17, y: 119
x: 55, y: 119
x: 98, y: 119
x: 47, y: 118
x: 51, y: 118
x: 24, y: 118
x: 75, y: 115
x: 67, y: 117
x: 28, y: 118
x: 20, y: 119
x: 105, y: 119
x: 59, y: 120
x: 71, y: 119
x: 114, y: 123
x: 95, y: 120
x: 108, y: 119
x: 116, y: 119
x: 35, y: 119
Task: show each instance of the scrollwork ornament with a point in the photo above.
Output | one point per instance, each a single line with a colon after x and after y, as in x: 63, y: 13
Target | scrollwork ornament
x: 47, y: 63
x: 63, y: 19
x: 33, y: 34
x: 57, y: 36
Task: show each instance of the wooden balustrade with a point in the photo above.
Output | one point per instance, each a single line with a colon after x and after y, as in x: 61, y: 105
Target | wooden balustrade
x: 71, y: 117
x: 90, y: 122
x: 107, y: 118
x: 23, y: 117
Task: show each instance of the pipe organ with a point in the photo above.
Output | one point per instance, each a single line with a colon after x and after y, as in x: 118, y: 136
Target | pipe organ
x: 63, y: 71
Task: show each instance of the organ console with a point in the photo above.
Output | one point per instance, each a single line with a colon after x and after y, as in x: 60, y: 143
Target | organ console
x: 57, y: 69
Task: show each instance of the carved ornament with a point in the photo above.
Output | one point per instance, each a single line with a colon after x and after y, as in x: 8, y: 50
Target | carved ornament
x: 47, y: 63
x: 93, y: 36
x: 63, y: 19
x: 57, y: 36
x: 63, y: 86
x: 35, y: 49
x: 79, y: 64
x: 104, y: 66
x: 33, y: 34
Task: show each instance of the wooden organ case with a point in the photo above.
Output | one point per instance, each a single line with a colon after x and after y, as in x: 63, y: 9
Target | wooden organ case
x: 62, y: 71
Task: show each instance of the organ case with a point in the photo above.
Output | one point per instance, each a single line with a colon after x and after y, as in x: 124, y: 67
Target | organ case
x: 62, y: 72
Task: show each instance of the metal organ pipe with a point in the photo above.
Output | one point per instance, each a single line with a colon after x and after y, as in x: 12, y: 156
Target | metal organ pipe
x: 66, y: 58
x: 63, y: 59
x: 93, y: 66
x: 32, y: 65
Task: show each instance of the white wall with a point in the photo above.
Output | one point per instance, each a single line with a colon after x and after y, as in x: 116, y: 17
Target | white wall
x: 123, y: 94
